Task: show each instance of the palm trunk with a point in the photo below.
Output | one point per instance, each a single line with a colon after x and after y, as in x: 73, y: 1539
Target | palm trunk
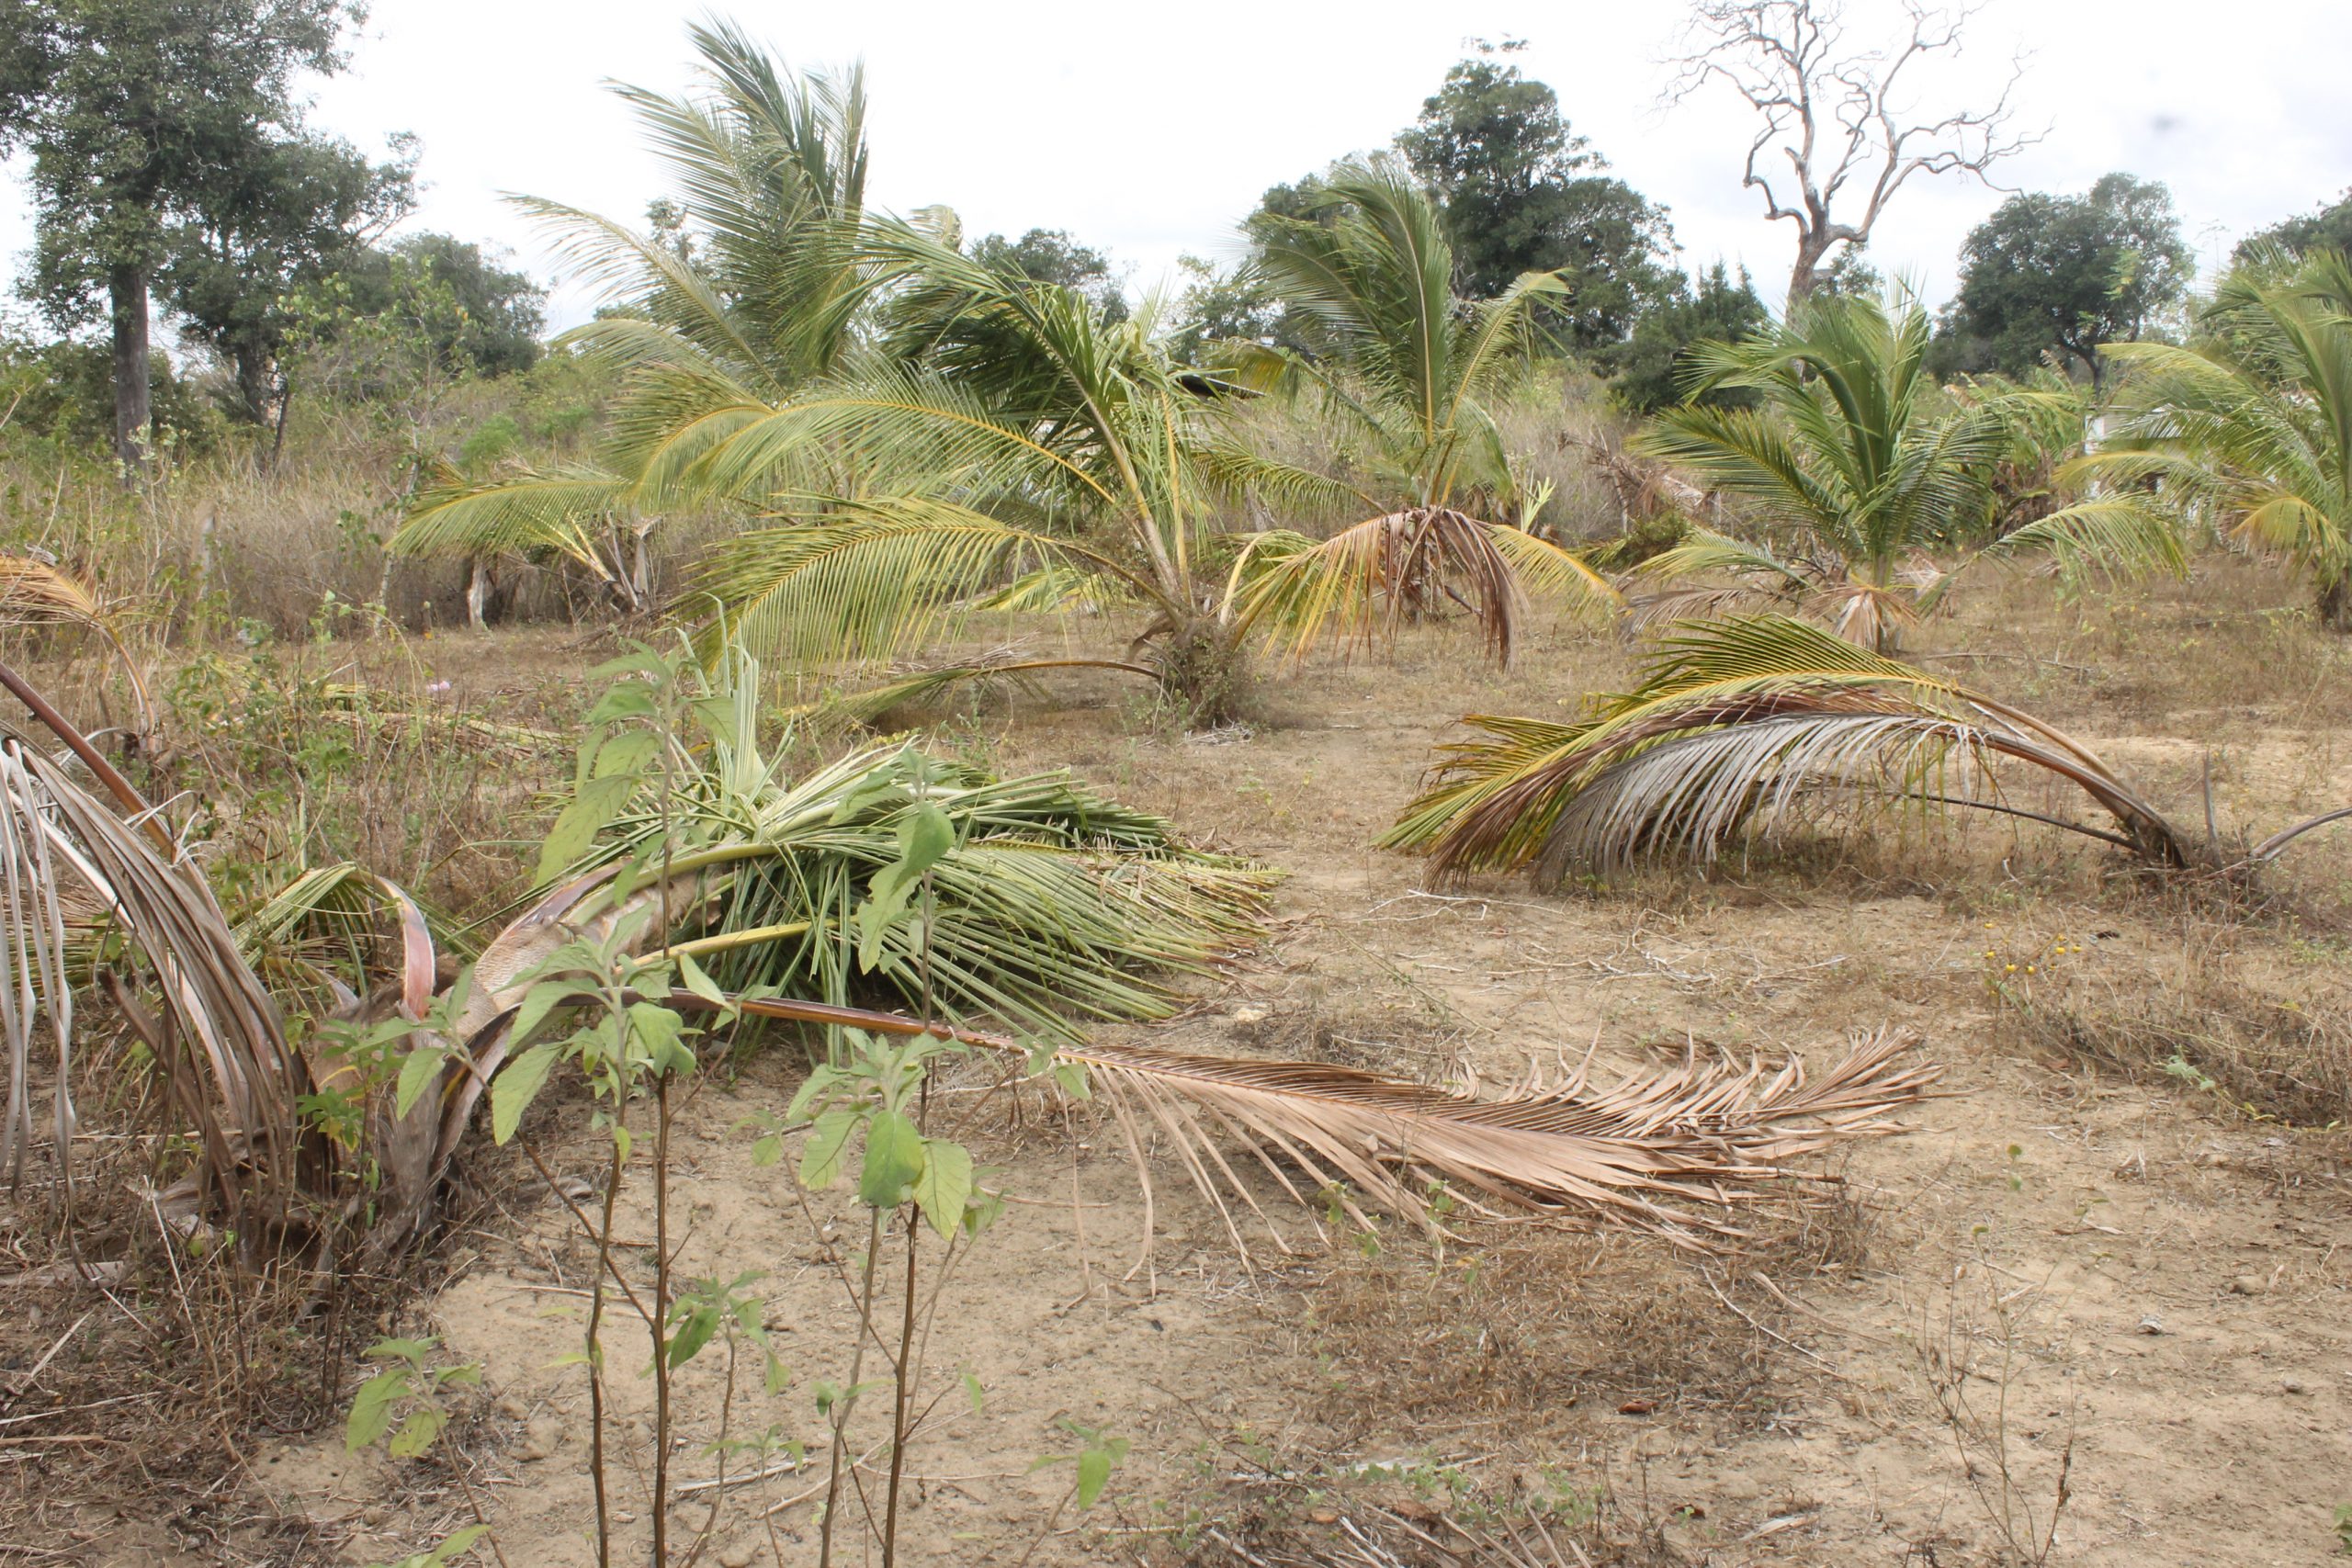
x: 2336, y: 602
x: 134, y: 410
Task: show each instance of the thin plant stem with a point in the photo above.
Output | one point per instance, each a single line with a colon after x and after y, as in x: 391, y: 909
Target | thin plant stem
x: 596, y: 1349
x: 661, y: 1318
x: 849, y: 1395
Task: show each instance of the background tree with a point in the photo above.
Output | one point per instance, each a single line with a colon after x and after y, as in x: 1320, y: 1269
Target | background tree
x: 1522, y: 193
x: 1648, y: 368
x: 1050, y: 255
x: 1833, y: 113
x: 143, y: 117
x: 2068, y: 273
x: 480, y: 317
x: 299, y: 209
x: 2330, y: 228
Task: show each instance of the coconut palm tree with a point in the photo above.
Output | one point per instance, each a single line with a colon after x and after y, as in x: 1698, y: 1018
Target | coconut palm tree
x: 1405, y: 370
x: 1851, y: 463
x: 748, y: 287
x: 2250, y: 425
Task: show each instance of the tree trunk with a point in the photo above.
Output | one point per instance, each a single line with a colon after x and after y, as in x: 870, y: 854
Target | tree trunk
x: 2336, y: 602
x: 1810, y: 250
x: 134, y: 410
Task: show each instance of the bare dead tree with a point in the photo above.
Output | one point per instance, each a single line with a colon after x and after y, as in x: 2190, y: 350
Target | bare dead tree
x: 1837, y: 113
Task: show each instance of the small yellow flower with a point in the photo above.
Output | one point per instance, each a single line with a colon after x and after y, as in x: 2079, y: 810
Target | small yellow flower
x: 2010, y: 969
x: 2028, y: 969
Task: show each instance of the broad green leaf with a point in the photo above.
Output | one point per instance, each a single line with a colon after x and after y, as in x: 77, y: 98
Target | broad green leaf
x: 538, y: 1002
x: 699, y: 983
x: 512, y: 1092
x: 412, y: 1351
x: 658, y: 1030
x: 1093, y: 1474
x: 945, y: 1184
x: 457, y: 1545
x: 416, y: 1433
x: 630, y: 699
x: 1071, y: 1075
x: 820, y: 1160
x: 893, y: 1161
x: 627, y: 754
x: 699, y: 1326
x: 591, y: 811
x: 371, y: 1407
x: 418, y: 1069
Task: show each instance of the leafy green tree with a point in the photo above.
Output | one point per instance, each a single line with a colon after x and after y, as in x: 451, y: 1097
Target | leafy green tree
x: 477, y: 315
x: 1522, y: 193
x: 2330, y: 228
x: 143, y: 117
x: 304, y: 207
x: 1050, y: 255
x: 2065, y: 273
x: 1650, y: 367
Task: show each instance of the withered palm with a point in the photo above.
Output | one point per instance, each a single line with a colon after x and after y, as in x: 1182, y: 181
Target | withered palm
x: 1750, y: 728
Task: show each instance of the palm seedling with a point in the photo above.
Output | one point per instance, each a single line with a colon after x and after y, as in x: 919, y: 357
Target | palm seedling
x: 1854, y: 474
x: 2250, y: 426
x: 1754, y: 726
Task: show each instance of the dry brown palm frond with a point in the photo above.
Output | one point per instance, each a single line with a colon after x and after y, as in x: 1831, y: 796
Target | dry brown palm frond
x: 232, y: 1077
x: 36, y: 594
x: 1739, y: 728
x: 1658, y: 1149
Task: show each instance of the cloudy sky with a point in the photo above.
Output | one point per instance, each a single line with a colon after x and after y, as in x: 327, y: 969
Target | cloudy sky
x: 1149, y: 130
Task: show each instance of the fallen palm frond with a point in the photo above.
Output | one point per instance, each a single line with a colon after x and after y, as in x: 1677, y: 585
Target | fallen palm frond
x: 232, y: 1076
x: 1645, y: 1150
x: 1056, y: 903
x: 1742, y: 728
x: 36, y: 594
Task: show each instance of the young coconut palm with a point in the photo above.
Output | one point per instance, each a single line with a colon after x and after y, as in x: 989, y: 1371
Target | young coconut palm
x: 1850, y: 464
x: 748, y: 290
x: 1405, y: 368
x: 1747, y: 727
x: 2250, y: 425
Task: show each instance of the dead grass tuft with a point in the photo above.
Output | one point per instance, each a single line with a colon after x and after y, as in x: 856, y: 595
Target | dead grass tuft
x: 1546, y: 1320
x: 2281, y: 1058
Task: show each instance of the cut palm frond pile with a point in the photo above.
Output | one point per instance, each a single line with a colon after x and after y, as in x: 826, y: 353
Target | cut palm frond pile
x: 234, y: 1080
x: 1745, y: 728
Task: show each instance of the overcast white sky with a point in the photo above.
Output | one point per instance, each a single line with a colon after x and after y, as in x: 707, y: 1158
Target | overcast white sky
x: 1149, y: 130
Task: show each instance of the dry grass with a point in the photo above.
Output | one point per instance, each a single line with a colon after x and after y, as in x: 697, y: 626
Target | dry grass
x: 1538, y: 1323
x: 2278, y: 1052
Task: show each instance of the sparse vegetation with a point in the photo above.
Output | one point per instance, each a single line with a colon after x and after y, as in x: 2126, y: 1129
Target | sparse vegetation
x: 602, y: 960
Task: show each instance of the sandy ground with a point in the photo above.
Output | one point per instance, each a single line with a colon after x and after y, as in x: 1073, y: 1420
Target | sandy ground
x: 2063, y: 1278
